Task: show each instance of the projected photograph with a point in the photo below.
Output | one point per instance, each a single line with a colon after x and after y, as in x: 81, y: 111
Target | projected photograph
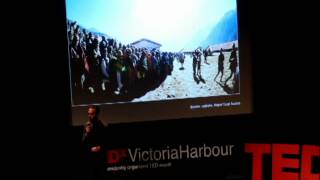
x: 152, y: 50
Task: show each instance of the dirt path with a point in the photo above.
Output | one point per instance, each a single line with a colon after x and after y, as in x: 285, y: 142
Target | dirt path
x: 181, y: 84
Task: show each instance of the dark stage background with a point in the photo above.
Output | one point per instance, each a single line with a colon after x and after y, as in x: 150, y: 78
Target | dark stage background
x: 282, y: 91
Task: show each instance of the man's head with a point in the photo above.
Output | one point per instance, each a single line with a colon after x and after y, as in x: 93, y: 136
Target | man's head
x: 93, y: 112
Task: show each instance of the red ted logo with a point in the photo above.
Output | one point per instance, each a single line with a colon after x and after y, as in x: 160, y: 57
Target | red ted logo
x: 116, y: 155
x: 307, y: 152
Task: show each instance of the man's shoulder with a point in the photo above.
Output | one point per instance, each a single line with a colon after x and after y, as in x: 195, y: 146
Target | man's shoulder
x: 100, y: 123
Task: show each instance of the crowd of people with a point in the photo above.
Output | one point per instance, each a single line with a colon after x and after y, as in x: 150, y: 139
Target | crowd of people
x: 99, y: 64
x: 104, y: 66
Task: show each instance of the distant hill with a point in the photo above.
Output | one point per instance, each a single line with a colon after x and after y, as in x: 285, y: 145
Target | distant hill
x: 226, y: 30
x: 97, y: 32
x: 92, y: 30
